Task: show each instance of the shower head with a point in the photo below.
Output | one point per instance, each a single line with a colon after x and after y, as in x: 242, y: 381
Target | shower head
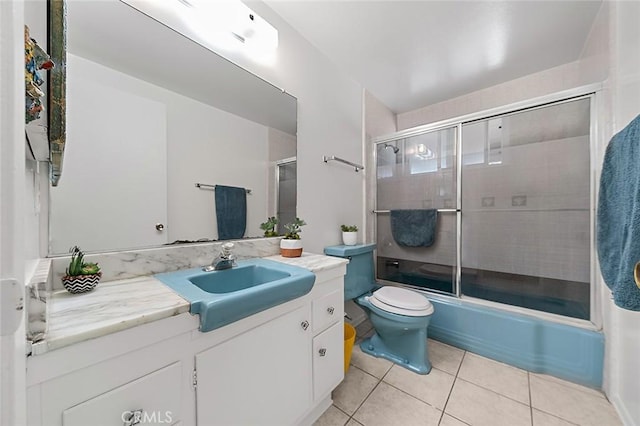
x: 394, y: 148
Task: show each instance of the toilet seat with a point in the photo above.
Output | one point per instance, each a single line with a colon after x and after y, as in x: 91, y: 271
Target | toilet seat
x: 400, y: 301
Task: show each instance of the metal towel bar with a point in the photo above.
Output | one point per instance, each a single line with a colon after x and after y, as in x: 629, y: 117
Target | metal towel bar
x: 207, y: 186
x: 439, y: 211
x: 326, y: 159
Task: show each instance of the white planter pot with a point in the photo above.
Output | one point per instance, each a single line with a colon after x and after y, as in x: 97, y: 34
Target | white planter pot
x: 290, y: 248
x: 350, y: 238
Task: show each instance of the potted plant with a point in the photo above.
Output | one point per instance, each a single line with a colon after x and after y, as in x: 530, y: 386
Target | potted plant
x: 80, y: 276
x: 349, y: 234
x: 291, y: 244
x: 269, y: 227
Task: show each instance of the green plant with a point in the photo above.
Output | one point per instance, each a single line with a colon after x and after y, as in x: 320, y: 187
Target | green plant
x: 349, y: 228
x: 269, y: 227
x: 293, y: 229
x: 77, y: 265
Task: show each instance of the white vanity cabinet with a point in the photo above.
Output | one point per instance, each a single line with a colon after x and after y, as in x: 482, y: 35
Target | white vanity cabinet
x: 276, y: 367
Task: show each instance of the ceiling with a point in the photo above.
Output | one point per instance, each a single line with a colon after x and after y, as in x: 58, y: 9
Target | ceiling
x: 410, y: 54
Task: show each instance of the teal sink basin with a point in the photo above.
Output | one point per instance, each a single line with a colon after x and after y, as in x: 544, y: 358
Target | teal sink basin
x: 223, y: 297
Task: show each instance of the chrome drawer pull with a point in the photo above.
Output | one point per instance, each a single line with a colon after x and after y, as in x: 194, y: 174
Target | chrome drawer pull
x: 304, y: 325
x: 322, y: 352
x: 330, y: 310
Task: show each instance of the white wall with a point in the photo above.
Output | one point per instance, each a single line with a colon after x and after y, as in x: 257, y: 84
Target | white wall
x: 621, y: 326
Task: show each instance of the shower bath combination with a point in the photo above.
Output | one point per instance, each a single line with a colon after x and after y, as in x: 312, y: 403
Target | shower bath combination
x: 509, y: 159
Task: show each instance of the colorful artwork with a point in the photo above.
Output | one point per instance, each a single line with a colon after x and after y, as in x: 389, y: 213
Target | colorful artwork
x: 35, y: 60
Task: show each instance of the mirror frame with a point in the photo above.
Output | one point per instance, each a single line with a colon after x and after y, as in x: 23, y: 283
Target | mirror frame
x: 57, y: 47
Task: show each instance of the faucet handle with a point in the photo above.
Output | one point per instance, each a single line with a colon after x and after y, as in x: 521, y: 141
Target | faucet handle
x: 226, y: 250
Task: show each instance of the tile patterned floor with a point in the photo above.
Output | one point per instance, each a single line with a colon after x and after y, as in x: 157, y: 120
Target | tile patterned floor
x: 462, y: 389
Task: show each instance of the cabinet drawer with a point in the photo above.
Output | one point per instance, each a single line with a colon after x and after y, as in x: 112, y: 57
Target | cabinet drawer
x: 156, y: 395
x: 328, y: 360
x: 327, y: 310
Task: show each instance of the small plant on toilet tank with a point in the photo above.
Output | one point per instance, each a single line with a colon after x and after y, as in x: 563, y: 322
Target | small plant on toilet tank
x: 349, y: 234
x: 291, y: 244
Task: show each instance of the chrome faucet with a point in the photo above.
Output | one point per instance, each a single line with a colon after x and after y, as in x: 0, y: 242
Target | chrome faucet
x: 225, y: 260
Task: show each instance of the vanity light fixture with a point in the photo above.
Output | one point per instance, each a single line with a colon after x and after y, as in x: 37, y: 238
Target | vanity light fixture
x: 221, y: 19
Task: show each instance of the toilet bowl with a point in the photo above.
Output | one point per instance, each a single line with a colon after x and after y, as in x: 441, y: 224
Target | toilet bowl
x: 399, y: 316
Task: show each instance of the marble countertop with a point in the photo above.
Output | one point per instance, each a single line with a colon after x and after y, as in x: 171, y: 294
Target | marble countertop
x: 312, y: 262
x: 118, y: 305
x: 113, y: 306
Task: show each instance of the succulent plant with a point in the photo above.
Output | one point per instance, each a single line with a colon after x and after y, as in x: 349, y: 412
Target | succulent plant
x: 77, y: 265
x: 293, y: 229
x: 349, y: 228
x: 269, y: 227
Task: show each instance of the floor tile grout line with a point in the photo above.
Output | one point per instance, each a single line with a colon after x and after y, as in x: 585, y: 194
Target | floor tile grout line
x: 569, y: 385
x: 530, y: 402
x: 363, y: 401
x: 557, y: 417
x: 493, y: 391
x: 412, y: 396
x: 455, y: 379
x: 365, y: 398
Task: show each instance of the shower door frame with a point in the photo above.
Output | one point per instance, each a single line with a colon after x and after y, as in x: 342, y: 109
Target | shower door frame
x: 592, y: 92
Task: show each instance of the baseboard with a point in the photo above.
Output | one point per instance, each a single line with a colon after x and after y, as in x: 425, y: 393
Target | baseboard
x: 625, y: 416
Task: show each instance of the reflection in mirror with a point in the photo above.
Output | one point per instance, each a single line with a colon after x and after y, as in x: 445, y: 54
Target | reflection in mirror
x: 147, y: 118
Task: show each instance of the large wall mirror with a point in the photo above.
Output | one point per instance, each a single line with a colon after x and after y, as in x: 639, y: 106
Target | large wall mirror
x: 150, y: 113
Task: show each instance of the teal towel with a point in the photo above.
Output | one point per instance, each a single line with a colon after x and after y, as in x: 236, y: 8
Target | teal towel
x: 618, y: 218
x: 231, y: 212
x: 414, y: 228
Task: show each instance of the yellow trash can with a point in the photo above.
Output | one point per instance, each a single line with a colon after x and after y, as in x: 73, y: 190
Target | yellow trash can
x: 349, y: 339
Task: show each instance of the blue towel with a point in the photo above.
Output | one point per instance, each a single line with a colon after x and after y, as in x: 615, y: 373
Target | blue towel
x: 231, y: 212
x: 414, y: 228
x: 618, y: 226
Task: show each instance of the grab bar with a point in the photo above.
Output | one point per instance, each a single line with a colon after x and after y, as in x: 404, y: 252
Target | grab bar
x: 439, y: 211
x: 326, y: 159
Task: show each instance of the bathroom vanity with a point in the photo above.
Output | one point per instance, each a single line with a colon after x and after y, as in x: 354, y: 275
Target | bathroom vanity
x: 277, y: 366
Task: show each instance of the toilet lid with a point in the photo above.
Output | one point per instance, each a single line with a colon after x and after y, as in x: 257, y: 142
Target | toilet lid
x: 400, y: 301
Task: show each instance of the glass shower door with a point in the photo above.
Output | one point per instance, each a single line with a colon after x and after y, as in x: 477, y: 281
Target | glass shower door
x: 526, y: 209
x: 418, y: 172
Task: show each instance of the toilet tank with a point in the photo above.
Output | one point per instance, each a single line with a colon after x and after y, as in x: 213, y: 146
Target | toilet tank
x: 359, y: 278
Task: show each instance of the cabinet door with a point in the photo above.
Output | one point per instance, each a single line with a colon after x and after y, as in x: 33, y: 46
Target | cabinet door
x: 328, y: 360
x: 262, y: 377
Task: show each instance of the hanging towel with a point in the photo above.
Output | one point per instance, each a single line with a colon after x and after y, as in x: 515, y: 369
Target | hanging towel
x: 618, y: 217
x: 414, y: 228
x: 231, y: 212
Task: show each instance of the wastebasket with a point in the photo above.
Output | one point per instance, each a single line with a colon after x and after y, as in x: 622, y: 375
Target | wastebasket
x: 349, y: 339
